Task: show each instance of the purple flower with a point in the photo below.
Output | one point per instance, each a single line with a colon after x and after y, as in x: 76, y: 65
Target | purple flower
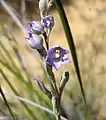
x: 48, y: 21
x: 35, y: 41
x: 57, y: 56
x: 35, y: 27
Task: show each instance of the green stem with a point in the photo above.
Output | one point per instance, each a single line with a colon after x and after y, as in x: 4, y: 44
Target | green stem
x: 55, y: 92
x: 56, y: 107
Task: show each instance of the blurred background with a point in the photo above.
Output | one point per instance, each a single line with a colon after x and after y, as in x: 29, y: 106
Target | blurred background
x: 19, y: 64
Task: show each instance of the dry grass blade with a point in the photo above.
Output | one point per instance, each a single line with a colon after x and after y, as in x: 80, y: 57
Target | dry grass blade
x: 32, y: 103
x: 5, y: 100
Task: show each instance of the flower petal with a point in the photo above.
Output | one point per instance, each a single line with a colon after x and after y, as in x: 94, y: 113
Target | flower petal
x: 66, y: 54
x: 35, y: 27
x: 67, y: 61
x: 49, y: 61
x: 51, y: 52
x: 57, y: 65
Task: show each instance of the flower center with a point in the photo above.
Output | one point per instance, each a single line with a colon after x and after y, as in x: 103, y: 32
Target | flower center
x: 57, y: 55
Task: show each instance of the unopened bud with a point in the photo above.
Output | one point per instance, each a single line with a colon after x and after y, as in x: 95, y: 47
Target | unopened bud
x: 35, y: 41
x: 64, y: 80
x: 43, y: 7
x: 42, y: 87
x: 36, y: 27
x: 51, y: 3
x: 48, y: 21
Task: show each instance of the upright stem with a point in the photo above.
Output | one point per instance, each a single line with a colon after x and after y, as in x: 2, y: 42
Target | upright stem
x: 56, y: 107
x: 55, y: 93
x: 58, y: 117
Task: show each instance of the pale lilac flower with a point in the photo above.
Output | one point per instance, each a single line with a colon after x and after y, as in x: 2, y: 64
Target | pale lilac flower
x: 48, y: 21
x: 35, y: 41
x: 35, y: 27
x: 57, y: 56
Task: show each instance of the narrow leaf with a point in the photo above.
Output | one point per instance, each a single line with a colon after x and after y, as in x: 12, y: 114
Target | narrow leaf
x: 70, y: 41
x: 5, y: 100
x: 16, y: 93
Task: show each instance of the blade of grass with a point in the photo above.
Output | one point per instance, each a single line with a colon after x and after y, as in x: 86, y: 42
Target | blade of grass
x: 5, y: 100
x: 18, y: 74
x: 21, y: 62
x: 30, y: 89
x: 16, y: 93
x: 8, y: 55
x: 2, y: 112
x: 33, y: 103
x: 70, y: 41
x: 10, y: 58
x: 2, y: 56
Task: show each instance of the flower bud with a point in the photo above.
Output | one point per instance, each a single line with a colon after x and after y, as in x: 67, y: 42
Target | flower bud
x: 35, y: 27
x: 35, y: 41
x: 48, y: 21
x: 43, y: 88
x: 43, y: 7
x: 64, y: 80
x: 50, y: 3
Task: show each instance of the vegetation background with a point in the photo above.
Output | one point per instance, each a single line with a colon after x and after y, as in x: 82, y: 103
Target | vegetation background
x: 87, y: 19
